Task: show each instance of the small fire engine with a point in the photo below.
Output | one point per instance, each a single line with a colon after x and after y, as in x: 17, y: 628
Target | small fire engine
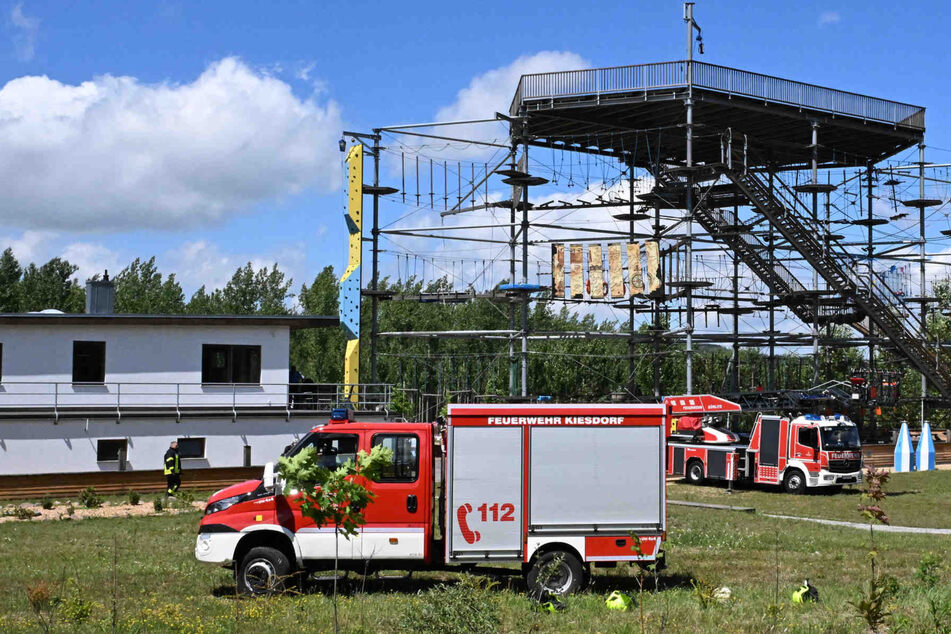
x: 799, y: 453
x: 555, y: 488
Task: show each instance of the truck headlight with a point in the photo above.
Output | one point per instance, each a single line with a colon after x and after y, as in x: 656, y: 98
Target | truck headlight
x: 223, y: 504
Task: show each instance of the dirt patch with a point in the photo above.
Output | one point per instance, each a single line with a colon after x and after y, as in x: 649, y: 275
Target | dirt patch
x: 59, y: 511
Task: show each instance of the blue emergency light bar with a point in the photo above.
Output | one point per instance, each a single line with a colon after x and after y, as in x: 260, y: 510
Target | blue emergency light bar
x: 340, y: 413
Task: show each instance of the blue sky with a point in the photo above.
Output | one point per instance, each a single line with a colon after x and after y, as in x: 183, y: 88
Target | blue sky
x: 205, y: 133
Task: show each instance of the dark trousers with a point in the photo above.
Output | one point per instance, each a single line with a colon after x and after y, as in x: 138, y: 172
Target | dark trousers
x: 174, y: 480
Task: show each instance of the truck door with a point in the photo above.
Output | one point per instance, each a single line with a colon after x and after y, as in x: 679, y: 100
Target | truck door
x: 767, y: 464
x: 398, y: 520
x: 806, y: 445
x: 317, y: 542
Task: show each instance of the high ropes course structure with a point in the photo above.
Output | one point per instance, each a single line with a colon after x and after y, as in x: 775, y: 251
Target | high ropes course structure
x: 693, y: 202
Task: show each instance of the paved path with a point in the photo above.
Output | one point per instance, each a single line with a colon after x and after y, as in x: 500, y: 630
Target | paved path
x: 885, y: 528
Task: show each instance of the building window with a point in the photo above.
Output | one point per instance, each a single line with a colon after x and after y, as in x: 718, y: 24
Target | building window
x: 107, y: 450
x: 191, y: 447
x: 404, y: 466
x: 230, y: 364
x: 89, y: 361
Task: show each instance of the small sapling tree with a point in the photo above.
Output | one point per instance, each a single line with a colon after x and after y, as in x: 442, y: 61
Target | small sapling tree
x: 871, y: 604
x: 336, y: 497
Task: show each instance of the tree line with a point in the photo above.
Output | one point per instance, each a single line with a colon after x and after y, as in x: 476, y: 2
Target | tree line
x: 430, y: 370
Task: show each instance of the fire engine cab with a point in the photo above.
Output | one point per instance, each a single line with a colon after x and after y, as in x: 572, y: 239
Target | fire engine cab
x: 799, y: 453
x: 555, y: 488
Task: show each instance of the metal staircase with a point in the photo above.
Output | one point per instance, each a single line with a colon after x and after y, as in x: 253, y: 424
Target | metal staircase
x: 723, y: 224
x: 862, y: 286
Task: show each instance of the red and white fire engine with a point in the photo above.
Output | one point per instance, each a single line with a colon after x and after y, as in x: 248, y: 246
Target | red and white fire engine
x: 799, y: 453
x: 552, y: 487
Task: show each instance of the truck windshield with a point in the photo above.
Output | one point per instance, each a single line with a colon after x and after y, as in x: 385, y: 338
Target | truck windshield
x: 840, y: 437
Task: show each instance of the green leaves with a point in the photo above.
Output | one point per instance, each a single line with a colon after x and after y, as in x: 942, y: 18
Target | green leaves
x: 141, y: 290
x: 334, y: 496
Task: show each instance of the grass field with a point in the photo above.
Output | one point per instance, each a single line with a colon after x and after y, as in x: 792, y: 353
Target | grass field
x: 915, y: 499
x: 157, y: 585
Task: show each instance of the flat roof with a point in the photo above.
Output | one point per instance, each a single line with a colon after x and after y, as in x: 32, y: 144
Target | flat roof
x: 294, y: 322
x: 603, y: 109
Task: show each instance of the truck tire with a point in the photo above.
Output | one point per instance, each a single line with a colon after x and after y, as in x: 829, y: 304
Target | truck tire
x: 694, y: 472
x: 555, y: 572
x: 794, y: 482
x: 263, y: 571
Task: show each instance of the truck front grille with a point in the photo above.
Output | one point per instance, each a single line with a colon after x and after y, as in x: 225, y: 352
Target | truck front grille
x: 845, y: 466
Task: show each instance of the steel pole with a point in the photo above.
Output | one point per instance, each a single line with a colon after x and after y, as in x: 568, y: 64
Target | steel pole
x: 525, y: 279
x: 921, y: 267
x: 688, y: 253
x: 374, y: 305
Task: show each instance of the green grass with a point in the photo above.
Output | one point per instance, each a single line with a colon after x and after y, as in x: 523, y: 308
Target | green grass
x: 915, y: 499
x: 161, y: 587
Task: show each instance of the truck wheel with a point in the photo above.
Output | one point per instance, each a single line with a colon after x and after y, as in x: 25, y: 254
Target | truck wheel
x: 263, y: 571
x: 694, y: 473
x: 555, y: 572
x: 794, y: 482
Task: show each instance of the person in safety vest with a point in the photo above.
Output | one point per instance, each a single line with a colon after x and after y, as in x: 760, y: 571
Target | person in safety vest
x: 173, y: 469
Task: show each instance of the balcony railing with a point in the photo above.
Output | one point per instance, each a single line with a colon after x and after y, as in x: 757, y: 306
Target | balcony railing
x: 731, y: 81
x: 31, y: 398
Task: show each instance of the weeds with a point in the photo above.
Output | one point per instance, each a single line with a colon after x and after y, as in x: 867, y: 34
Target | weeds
x: 75, y: 609
x: 704, y: 592
x: 70, y: 509
x: 466, y: 606
x: 929, y: 570
x: 43, y: 604
x: 90, y: 499
x: 23, y: 513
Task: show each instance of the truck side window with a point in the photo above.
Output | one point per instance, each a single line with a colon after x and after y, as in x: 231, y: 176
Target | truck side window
x: 809, y: 437
x: 332, y: 449
x: 405, y: 464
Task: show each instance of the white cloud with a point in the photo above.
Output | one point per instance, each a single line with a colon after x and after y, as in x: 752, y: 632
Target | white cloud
x: 204, y: 263
x: 304, y: 70
x: 829, y: 17
x: 114, y: 153
x: 30, y: 246
x: 25, y: 38
x: 493, y: 90
x: 93, y: 258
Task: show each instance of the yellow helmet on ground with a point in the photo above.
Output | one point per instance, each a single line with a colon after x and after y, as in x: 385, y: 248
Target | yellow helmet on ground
x: 617, y: 600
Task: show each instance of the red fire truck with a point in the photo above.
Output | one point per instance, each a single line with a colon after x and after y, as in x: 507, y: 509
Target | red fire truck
x: 803, y: 452
x: 552, y: 487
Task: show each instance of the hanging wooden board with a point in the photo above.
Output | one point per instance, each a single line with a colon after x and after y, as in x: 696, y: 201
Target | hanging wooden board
x: 576, y: 256
x: 595, y: 272
x: 615, y: 271
x: 653, y: 266
x: 558, y: 270
x: 635, y: 273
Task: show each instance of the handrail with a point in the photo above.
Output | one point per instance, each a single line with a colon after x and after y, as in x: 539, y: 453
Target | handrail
x: 732, y: 81
x: 120, y: 397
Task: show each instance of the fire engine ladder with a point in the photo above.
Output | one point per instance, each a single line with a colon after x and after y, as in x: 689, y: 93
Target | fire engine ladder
x: 866, y: 289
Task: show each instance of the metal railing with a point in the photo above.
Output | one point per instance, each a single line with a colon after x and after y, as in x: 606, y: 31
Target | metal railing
x: 731, y: 81
x: 123, y: 398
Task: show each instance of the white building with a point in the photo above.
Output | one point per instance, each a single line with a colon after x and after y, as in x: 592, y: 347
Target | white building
x: 107, y: 392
